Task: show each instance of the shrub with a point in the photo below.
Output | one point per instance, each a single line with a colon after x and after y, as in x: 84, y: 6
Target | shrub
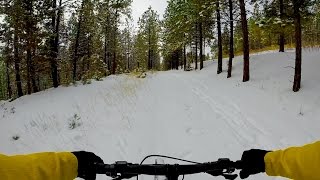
x: 74, y: 121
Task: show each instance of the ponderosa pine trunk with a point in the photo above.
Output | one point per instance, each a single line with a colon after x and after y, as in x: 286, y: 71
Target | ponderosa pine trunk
x: 297, y: 23
x: 114, y: 67
x: 246, y: 50
x: 149, y: 48
x: 17, y: 63
x: 75, y: 55
x: 201, y: 45
x: 196, y: 62
x: 184, y: 58
x: 55, y: 79
x: 231, y: 49
x: 54, y: 49
x: 281, y: 38
x: 9, y: 89
x: 28, y: 71
x: 105, y: 49
x: 219, y: 70
x: 30, y: 46
x: 106, y: 42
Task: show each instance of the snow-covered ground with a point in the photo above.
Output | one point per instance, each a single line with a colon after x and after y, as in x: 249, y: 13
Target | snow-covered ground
x: 194, y: 115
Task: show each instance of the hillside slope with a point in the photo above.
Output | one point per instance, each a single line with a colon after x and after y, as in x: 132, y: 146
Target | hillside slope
x: 195, y: 115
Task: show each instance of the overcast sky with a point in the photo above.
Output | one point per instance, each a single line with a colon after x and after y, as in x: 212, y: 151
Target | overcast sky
x: 140, y: 6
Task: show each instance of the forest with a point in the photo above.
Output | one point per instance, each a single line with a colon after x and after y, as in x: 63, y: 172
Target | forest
x: 48, y: 43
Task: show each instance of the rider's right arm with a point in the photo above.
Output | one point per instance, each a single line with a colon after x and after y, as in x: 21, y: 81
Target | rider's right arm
x: 297, y: 163
x: 48, y: 166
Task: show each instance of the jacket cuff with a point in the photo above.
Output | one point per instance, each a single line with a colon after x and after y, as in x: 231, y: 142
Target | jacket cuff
x: 268, y: 164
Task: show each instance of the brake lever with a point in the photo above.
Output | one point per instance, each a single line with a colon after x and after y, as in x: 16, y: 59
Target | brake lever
x: 226, y: 173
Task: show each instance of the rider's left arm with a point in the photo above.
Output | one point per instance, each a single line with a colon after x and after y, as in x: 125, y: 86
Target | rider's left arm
x: 48, y: 166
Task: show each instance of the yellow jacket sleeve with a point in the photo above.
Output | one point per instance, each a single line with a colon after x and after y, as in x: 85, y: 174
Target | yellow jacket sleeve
x: 299, y: 163
x: 41, y: 166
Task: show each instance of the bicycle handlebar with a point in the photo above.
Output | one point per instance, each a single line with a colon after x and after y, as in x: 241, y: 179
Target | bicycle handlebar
x: 124, y: 170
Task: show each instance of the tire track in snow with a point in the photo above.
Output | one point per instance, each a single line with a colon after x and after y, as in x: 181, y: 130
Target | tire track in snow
x: 122, y: 99
x: 242, y: 129
x: 230, y: 113
x: 122, y: 145
x: 227, y: 103
x: 222, y: 116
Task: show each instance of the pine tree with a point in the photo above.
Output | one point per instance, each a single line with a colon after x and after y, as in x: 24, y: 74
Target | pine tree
x: 149, y: 27
x: 246, y: 69
x: 187, y: 22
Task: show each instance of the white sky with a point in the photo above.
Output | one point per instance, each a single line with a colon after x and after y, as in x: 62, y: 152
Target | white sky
x: 140, y: 6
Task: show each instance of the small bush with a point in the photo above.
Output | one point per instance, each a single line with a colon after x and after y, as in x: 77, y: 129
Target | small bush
x: 74, y: 83
x: 15, y: 137
x: 86, y: 81
x: 13, y: 110
x: 98, y: 76
x: 301, y: 113
x: 127, y: 71
x: 143, y: 75
x: 74, y: 122
x: 98, y: 79
x: 189, y: 68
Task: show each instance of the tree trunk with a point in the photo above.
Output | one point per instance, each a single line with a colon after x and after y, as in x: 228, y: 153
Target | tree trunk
x: 297, y: 23
x: 31, y: 82
x: 128, y: 50
x: 109, y: 61
x: 149, y: 48
x: 246, y: 51
x: 9, y: 89
x: 177, y: 59
x: 181, y: 58
x: 108, y: 50
x: 17, y: 64
x: 128, y: 61
x: 281, y: 40
x: 28, y: 69
x: 35, y: 86
x: 201, y: 45
x: 107, y: 44
x: 105, y: 50
x: 114, y: 67
x: 191, y: 55
x: 53, y: 55
x: 231, y: 50
x: 184, y: 56
x: 106, y: 41
x: 75, y: 56
x: 35, y: 77
x: 27, y: 19
x: 55, y: 52
x: 196, y: 62
x: 89, y: 54
x: 219, y: 38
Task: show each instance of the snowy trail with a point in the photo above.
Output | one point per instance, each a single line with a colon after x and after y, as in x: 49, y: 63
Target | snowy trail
x: 195, y: 115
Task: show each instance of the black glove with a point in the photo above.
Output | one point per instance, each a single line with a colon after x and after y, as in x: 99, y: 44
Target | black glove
x: 86, y: 162
x: 252, y: 162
